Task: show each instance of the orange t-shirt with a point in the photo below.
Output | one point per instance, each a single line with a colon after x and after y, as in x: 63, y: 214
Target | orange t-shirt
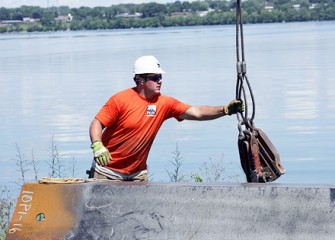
x: 132, y: 123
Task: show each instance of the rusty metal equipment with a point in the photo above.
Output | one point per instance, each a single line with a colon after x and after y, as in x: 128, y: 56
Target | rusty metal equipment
x: 259, y: 158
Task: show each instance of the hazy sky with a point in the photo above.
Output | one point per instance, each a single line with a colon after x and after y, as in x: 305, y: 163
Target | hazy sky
x: 71, y: 3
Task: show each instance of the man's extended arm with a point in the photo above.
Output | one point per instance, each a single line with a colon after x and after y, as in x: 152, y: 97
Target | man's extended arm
x: 213, y: 112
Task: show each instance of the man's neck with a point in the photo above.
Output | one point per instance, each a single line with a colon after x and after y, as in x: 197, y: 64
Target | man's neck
x: 144, y: 94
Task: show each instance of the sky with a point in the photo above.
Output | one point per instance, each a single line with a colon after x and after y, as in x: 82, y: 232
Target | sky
x: 72, y: 3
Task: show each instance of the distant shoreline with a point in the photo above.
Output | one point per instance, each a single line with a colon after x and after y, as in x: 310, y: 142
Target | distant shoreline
x: 155, y: 15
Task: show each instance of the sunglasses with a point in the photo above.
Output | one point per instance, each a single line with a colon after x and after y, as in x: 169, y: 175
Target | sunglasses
x: 155, y: 78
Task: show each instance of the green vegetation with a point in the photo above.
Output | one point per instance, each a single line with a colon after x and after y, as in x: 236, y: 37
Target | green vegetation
x: 214, y: 170
x: 177, y: 162
x: 210, y: 171
x: 208, y: 12
x: 28, y: 168
x: 7, y: 203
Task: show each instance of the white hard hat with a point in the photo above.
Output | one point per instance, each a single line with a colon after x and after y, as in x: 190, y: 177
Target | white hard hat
x: 147, y: 64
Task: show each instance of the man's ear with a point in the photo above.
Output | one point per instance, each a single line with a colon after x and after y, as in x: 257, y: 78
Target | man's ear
x: 136, y: 79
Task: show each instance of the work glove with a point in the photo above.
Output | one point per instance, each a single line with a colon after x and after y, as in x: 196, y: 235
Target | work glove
x: 233, y: 107
x: 101, y: 153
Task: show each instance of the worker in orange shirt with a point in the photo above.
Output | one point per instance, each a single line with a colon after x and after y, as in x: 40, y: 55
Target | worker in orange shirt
x: 124, y: 129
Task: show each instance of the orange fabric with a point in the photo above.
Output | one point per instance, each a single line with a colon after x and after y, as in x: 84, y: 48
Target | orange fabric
x: 132, y: 123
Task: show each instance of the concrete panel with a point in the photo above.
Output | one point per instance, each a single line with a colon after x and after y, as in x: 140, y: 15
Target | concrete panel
x: 105, y: 210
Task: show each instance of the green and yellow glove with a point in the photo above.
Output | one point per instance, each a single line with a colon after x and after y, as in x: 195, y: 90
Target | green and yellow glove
x: 233, y: 107
x: 101, y: 153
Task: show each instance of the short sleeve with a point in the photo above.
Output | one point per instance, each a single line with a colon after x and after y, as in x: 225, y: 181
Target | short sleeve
x: 108, y: 113
x: 177, y: 108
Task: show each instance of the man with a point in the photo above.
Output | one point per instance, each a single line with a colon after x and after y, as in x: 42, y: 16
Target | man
x: 124, y: 129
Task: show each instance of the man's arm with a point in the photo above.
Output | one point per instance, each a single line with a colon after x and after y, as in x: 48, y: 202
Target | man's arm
x: 213, y: 112
x: 100, y: 152
x: 203, y: 113
x: 96, y: 130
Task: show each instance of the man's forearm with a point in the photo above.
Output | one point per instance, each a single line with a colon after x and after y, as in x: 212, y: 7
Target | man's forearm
x: 213, y: 112
x: 203, y: 113
x: 96, y: 130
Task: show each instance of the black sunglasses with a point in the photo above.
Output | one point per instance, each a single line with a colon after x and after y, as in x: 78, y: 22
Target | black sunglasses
x: 155, y: 78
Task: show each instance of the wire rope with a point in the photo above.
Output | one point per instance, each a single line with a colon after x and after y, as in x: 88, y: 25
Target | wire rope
x: 243, y: 86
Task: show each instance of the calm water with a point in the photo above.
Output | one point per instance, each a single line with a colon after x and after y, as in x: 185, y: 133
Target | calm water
x: 52, y: 85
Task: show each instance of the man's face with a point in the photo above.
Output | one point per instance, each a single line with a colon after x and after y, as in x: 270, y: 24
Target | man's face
x: 153, y: 82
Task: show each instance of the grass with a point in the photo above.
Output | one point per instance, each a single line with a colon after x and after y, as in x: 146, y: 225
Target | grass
x: 212, y: 170
x: 7, y: 203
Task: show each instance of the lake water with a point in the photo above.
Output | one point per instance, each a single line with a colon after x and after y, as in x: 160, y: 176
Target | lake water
x: 52, y: 85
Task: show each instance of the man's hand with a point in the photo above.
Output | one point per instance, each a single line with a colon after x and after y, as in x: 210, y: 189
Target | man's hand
x: 101, y: 153
x: 233, y: 107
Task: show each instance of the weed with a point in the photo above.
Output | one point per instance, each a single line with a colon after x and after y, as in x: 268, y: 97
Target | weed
x: 7, y: 203
x: 175, y: 175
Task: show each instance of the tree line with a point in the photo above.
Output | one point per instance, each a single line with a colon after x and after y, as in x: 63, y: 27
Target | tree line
x: 207, y: 12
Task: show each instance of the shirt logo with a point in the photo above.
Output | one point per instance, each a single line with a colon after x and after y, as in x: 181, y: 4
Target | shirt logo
x: 151, y: 110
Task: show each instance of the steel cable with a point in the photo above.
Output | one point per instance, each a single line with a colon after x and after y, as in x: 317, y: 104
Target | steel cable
x: 241, y: 90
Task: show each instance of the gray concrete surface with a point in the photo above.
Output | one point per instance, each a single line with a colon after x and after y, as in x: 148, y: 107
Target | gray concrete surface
x: 176, y: 211
x: 200, y: 211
